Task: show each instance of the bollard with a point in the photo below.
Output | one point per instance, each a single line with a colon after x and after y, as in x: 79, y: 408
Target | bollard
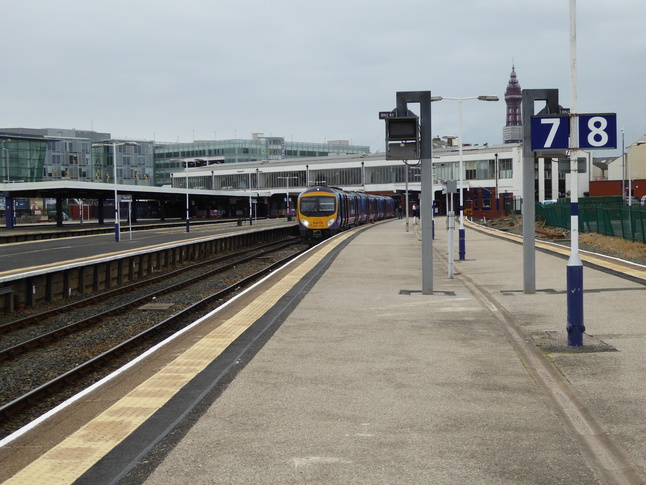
x: 450, y: 226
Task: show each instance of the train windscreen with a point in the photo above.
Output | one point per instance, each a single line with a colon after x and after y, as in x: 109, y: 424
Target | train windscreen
x: 317, y: 206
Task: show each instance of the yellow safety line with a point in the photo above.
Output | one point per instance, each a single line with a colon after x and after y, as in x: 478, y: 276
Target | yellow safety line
x: 72, y: 457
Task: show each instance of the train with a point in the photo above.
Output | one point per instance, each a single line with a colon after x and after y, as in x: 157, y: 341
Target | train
x: 323, y: 211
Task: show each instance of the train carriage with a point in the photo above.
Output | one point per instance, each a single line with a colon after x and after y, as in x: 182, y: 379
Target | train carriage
x: 323, y: 211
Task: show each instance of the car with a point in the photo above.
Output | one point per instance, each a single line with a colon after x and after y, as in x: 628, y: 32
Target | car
x: 631, y: 200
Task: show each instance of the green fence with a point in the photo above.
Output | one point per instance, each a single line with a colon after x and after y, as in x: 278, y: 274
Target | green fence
x: 604, y: 215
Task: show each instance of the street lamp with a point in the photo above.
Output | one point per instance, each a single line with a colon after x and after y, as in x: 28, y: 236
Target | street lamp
x: 287, y: 182
x: 188, y: 210
x: 406, y: 197
x: 249, y: 189
x: 250, y: 201
x: 623, y: 166
x: 6, y: 158
x: 461, y: 232
x: 117, y: 215
x: 184, y: 162
x: 630, y: 184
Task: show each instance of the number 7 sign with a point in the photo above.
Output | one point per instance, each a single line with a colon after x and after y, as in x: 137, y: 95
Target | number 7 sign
x: 550, y: 132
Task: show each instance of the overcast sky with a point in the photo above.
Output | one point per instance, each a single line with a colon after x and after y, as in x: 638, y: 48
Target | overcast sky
x: 307, y: 70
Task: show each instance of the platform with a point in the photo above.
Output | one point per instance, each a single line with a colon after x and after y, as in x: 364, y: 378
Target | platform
x: 369, y: 381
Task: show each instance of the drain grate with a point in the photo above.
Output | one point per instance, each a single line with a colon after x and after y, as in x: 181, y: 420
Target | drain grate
x: 549, y: 291
x: 410, y: 292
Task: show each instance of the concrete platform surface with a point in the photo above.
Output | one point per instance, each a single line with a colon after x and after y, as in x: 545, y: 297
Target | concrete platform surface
x: 369, y: 381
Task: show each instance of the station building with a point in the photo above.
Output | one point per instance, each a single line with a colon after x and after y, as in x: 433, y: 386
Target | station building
x: 491, y: 183
x: 72, y: 172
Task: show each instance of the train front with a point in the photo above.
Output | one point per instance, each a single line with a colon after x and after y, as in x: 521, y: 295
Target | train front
x: 318, y: 213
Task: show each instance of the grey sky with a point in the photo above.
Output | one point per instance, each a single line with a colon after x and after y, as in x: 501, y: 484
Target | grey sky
x: 307, y: 70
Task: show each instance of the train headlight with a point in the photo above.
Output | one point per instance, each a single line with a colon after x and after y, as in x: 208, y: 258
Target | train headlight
x: 305, y: 222
x: 330, y: 222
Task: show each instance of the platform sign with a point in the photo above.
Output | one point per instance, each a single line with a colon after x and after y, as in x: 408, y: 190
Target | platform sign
x: 598, y: 131
x: 550, y: 132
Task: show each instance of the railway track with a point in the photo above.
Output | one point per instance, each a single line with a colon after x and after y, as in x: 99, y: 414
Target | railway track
x: 40, y: 324
x: 99, y: 334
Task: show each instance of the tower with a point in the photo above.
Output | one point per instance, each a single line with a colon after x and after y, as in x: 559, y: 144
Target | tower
x: 513, y: 130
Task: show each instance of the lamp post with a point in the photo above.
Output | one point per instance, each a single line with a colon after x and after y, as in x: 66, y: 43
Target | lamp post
x: 461, y: 232
x: 9, y: 212
x: 258, y: 172
x: 184, y: 162
x: 250, y: 202
x: 287, y: 183
x: 623, y: 165
x: 117, y: 215
x: 497, y: 196
x: 249, y: 189
x: 630, y: 185
x: 5, y: 150
x: 406, y: 195
x: 188, y: 215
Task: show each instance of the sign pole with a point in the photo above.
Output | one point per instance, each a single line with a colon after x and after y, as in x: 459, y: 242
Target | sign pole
x: 530, y: 96
x: 575, y: 326
x: 426, y: 161
x: 426, y: 196
x: 549, y: 134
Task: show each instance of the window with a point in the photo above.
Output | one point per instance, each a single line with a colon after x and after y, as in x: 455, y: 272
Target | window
x: 505, y: 168
x: 317, y: 206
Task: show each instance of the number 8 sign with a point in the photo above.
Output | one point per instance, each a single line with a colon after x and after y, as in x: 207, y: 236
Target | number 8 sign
x: 598, y: 131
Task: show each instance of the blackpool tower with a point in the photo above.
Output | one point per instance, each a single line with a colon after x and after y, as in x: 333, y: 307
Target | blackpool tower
x: 513, y: 130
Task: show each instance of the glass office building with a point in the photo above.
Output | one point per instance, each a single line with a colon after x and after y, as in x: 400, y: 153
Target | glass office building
x: 170, y: 158
x: 134, y: 162
x: 82, y: 156
x: 22, y: 158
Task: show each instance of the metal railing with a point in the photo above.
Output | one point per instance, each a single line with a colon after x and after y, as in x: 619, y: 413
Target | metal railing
x: 610, y: 217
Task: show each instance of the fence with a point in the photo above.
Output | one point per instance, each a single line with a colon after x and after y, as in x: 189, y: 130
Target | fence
x: 605, y: 215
